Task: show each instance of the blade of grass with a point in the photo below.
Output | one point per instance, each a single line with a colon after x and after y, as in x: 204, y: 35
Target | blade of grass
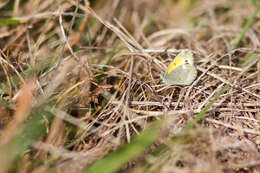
x: 205, y: 109
x: 5, y: 22
x: 117, y: 159
x: 246, y: 27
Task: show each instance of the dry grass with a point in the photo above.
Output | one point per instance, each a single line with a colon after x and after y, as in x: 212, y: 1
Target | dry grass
x: 96, y: 68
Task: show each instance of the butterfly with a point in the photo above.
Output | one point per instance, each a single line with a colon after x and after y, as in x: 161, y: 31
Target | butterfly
x: 181, y: 71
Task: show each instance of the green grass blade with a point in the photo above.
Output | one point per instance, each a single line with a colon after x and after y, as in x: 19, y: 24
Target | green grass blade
x: 246, y: 27
x: 117, y: 159
x: 205, y: 109
x: 5, y: 22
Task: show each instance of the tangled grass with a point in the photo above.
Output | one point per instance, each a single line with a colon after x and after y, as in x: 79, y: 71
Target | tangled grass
x: 80, y: 79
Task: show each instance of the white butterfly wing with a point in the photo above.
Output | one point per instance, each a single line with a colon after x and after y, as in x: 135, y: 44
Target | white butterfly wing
x: 182, y: 75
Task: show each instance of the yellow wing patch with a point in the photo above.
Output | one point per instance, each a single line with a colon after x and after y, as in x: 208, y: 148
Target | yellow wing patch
x: 175, y: 63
